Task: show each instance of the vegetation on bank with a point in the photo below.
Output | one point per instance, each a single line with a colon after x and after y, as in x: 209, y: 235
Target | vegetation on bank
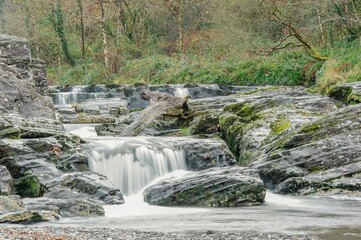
x: 239, y: 42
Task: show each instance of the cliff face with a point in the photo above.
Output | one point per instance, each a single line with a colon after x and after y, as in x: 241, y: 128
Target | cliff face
x: 23, y: 83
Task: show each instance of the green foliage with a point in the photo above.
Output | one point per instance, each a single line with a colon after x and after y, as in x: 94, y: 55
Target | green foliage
x: 61, y: 33
x: 345, y: 66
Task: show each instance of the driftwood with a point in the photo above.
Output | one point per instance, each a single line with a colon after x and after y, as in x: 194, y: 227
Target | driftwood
x: 161, y: 104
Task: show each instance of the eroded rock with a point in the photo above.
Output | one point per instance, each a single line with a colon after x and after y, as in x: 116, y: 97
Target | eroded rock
x: 215, y: 187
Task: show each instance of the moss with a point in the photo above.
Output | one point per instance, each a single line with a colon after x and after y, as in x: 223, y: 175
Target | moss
x: 12, y: 133
x: 315, y: 168
x: 341, y: 93
x: 282, y: 123
x: 28, y: 186
x: 311, y: 127
x: 185, y: 131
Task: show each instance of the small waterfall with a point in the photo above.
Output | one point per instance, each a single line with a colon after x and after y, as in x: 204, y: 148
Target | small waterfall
x: 66, y: 98
x: 133, y: 163
x: 181, y: 92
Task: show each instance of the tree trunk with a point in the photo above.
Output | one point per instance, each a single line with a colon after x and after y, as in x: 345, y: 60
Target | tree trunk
x: 160, y: 104
x: 323, y: 38
x: 81, y: 13
x: 105, y: 40
x: 61, y: 33
x: 180, y: 26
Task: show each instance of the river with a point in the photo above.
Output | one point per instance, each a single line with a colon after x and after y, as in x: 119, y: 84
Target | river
x: 329, y: 218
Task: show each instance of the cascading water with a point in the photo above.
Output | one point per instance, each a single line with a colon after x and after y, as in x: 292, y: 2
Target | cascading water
x: 66, y: 98
x: 181, y: 92
x: 133, y: 163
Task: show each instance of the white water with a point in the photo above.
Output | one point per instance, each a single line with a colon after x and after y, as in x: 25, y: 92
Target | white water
x: 132, y: 163
x: 66, y: 98
x: 282, y: 214
x: 181, y: 92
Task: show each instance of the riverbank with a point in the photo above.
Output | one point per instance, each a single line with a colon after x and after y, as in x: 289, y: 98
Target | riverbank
x: 71, y: 233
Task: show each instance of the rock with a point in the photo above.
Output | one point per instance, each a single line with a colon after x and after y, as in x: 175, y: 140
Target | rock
x: 205, y: 123
x: 66, y: 207
x: 100, y: 110
x: 348, y: 93
x: 27, y: 217
x: 321, y: 157
x: 10, y: 203
x: 28, y: 186
x: 206, y: 153
x: 6, y: 181
x: 88, y: 185
x: 215, y: 187
x: 260, y: 117
x: 19, y: 96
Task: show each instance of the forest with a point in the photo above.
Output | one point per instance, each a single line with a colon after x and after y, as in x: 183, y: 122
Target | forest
x: 239, y: 42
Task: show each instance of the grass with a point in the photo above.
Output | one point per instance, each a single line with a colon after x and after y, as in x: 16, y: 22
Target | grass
x: 282, y: 68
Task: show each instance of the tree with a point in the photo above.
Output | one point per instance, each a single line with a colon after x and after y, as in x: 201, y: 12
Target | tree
x: 61, y: 33
x: 82, y: 29
x: 104, y: 34
x: 176, y: 7
x: 291, y: 32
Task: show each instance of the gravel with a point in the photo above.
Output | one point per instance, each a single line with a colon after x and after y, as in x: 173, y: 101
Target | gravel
x: 77, y: 233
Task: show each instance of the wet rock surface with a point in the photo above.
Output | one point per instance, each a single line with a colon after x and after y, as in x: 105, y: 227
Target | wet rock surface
x: 320, y: 158
x: 215, y: 187
x: 36, y: 156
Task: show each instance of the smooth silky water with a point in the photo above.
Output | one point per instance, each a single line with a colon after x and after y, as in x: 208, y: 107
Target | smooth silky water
x: 145, y: 160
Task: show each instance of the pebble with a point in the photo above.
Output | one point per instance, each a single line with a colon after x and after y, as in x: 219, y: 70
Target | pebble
x: 77, y: 233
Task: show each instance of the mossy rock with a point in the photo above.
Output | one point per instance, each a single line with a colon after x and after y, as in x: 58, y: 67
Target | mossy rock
x: 11, y: 132
x: 207, y: 123
x: 345, y: 93
x: 299, y: 185
x: 28, y: 186
x: 281, y: 124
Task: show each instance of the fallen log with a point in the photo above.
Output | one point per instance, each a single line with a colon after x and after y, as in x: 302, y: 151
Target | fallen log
x: 161, y: 104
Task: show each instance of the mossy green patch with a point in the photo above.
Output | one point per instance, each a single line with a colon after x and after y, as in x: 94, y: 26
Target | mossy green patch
x: 311, y: 127
x: 282, y: 123
x: 28, y: 186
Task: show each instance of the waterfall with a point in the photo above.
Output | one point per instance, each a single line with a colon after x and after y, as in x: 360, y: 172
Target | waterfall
x: 66, y: 98
x: 132, y: 163
x: 181, y: 92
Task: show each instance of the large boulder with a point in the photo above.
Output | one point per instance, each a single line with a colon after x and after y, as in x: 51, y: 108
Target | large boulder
x: 215, y: 187
x: 260, y: 117
x: 65, y: 207
x: 27, y: 217
x: 86, y: 185
x: 321, y: 157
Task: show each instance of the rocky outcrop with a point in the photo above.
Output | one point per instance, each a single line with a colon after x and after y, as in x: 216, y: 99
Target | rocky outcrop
x: 321, y: 157
x: 215, y: 187
x: 260, y: 117
x: 15, y: 54
x: 348, y: 93
x: 36, y: 157
x: 24, y: 112
x: 101, y: 110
